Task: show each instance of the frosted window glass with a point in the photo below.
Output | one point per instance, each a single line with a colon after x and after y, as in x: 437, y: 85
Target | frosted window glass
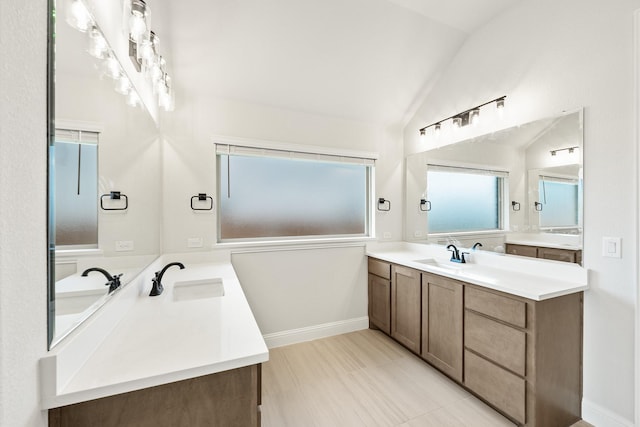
x: 559, y: 203
x: 463, y: 202
x: 262, y: 197
x: 76, y: 193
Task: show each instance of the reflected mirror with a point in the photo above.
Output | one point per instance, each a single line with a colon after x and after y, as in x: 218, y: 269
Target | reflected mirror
x: 104, y: 183
x: 518, y: 190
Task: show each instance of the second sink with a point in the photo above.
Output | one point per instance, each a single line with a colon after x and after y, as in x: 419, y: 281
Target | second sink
x: 446, y: 265
x: 198, y: 289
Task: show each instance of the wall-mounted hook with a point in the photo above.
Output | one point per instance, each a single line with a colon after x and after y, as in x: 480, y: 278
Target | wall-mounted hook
x: 202, y: 197
x: 426, y: 204
x: 384, y: 205
x: 515, y: 206
x: 115, y: 195
x: 538, y: 206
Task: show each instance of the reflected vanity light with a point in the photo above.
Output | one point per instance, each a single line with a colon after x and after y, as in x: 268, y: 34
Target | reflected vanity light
x: 470, y: 116
x: 98, y: 47
x: 78, y: 16
x: 138, y: 20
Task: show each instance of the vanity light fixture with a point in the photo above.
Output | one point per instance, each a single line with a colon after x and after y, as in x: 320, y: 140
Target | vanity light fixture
x: 472, y: 115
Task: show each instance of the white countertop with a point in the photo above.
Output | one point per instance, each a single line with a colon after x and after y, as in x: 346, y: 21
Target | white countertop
x: 159, y: 340
x: 529, y: 278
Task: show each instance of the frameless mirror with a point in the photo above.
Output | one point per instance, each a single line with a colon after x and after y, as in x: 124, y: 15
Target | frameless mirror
x: 518, y: 187
x: 104, y: 183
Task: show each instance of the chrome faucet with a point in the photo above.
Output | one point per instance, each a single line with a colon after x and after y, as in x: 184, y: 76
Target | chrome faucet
x: 456, y: 256
x: 113, y: 281
x: 157, y: 280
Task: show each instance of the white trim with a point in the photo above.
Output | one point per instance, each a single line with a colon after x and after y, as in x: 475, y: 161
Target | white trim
x: 602, y: 417
x: 636, y: 129
x: 287, y: 146
x: 294, y: 336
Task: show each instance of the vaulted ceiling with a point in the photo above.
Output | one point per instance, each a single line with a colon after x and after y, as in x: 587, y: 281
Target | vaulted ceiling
x: 369, y: 60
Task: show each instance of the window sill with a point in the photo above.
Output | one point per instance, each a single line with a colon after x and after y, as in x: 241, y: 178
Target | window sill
x: 321, y: 243
x: 68, y: 253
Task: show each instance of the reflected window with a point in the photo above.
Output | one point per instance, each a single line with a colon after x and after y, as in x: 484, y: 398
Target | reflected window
x: 267, y: 194
x: 75, y: 169
x: 464, y: 199
x: 559, y: 199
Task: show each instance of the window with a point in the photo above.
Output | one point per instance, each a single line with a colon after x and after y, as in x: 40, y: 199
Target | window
x: 465, y: 200
x: 270, y: 194
x: 559, y: 198
x: 75, y: 169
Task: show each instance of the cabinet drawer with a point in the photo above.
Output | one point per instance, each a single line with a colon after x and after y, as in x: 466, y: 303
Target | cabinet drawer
x: 497, y: 306
x: 380, y: 268
x: 501, y: 343
x: 504, y: 390
x: 522, y: 250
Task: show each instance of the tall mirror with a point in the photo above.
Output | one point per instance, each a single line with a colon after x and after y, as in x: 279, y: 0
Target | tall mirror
x: 518, y: 191
x: 104, y: 180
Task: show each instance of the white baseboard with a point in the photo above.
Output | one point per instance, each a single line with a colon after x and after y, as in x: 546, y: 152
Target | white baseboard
x: 602, y: 417
x: 293, y: 336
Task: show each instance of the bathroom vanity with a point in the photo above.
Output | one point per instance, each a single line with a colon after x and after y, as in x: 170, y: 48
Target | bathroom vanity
x: 512, y: 336
x: 190, y: 356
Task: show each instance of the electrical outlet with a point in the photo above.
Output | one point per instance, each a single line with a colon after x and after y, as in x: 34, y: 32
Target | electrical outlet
x: 194, y: 242
x: 386, y: 235
x: 124, y: 245
x: 417, y: 233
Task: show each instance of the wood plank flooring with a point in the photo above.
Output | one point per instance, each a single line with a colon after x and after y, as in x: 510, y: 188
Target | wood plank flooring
x: 366, y: 379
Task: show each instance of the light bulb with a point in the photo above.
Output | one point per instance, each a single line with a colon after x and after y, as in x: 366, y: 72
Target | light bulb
x: 457, y: 122
x: 123, y: 85
x: 78, y: 16
x: 112, y: 67
x: 437, y: 129
x: 98, y: 47
x: 133, y: 99
x: 138, y: 21
x: 474, y: 116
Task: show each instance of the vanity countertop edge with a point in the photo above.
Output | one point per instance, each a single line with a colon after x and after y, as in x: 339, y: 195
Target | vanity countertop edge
x: 528, y: 278
x: 149, y: 347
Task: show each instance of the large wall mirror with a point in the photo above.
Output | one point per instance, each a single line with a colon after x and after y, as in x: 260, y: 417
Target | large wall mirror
x: 518, y: 190
x: 104, y: 182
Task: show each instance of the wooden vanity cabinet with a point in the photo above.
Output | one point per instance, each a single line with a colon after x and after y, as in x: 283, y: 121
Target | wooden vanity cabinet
x: 521, y: 356
x: 406, y: 307
x: 226, y: 399
x: 524, y: 357
x: 379, y: 295
x: 442, y: 324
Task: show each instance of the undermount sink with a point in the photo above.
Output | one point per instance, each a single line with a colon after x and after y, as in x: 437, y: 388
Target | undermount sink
x: 446, y: 265
x: 198, y: 289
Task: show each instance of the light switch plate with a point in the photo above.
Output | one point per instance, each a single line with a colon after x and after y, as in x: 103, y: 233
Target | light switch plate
x: 612, y: 247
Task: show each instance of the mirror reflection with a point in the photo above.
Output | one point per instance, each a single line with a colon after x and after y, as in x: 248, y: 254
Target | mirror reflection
x: 518, y: 191
x: 104, y: 210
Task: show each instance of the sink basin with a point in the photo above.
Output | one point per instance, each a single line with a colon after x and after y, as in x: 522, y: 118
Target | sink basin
x: 445, y: 265
x: 198, y: 289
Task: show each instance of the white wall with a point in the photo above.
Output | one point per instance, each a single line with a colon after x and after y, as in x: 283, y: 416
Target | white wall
x: 548, y: 56
x: 189, y: 161
x: 23, y: 214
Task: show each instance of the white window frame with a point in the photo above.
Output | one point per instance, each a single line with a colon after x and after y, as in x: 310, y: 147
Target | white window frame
x: 224, y: 145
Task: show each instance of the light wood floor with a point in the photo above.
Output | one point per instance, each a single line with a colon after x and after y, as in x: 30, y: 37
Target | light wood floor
x: 364, y: 379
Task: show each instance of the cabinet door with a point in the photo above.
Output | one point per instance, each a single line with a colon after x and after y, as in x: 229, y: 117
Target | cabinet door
x: 442, y: 320
x: 380, y: 303
x: 405, y: 307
